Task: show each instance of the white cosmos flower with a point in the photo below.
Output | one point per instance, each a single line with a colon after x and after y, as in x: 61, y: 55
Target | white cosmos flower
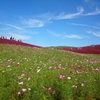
x: 29, y: 89
x: 69, y: 78
x: 38, y: 70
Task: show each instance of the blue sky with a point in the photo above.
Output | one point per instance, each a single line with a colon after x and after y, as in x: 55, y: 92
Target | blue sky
x: 51, y: 22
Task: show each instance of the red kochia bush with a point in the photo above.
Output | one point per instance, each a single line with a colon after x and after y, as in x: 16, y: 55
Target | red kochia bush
x: 88, y: 49
x: 7, y: 41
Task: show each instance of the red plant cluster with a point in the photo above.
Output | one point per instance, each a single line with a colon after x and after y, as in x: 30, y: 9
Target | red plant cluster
x: 7, y: 41
x: 93, y: 49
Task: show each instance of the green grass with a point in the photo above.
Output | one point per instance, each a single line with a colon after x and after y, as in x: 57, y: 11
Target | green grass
x: 48, y: 74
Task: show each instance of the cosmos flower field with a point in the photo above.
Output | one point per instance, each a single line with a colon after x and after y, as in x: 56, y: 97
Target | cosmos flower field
x: 28, y: 73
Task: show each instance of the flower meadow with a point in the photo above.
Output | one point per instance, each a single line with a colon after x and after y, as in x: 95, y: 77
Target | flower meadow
x: 28, y: 73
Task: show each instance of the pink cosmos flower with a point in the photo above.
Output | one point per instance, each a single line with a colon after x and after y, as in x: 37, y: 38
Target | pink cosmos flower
x: 59, y: 67
x: 82, y: 84
x: 23, y: 75
x: 17, y: 64
x: 79, y: 71
x: 9, y: 60
x: 69, y: 66
x: 62, y: 76
x: 29, y: 79
x: 23, y: 90
x: 19, y: 93
x: 54, y: 66
x: 20, y: 83
x: 48, y: 89
x: 53, y: 92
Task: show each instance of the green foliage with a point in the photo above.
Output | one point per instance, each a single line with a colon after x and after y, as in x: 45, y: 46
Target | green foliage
x: 48, y: 74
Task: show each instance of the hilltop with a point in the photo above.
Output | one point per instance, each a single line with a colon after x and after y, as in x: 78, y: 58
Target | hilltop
x: 14, y: 42
x: 92, y: 49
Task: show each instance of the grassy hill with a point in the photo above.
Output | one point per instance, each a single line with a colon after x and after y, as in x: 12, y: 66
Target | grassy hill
x: 47, y: 74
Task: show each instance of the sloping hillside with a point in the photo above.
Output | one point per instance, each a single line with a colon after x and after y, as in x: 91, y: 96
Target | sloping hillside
x: 93, y: 49
x: 7, y: 41
x: 47, y: 74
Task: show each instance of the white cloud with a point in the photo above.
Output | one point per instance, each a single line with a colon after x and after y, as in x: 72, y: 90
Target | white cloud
x: 19, y: 36
x: 62, y: 16
x: 86, y: 0
x: 53, y: 33
x: 33, y: 23
x: 97, y: 11
x: 65, y: 35
x: 14, y: 26
x: 94, y: 33
x: 73, y: 36
x: 70, y: 16
x: 85, y: 25
x: 46, y: 18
